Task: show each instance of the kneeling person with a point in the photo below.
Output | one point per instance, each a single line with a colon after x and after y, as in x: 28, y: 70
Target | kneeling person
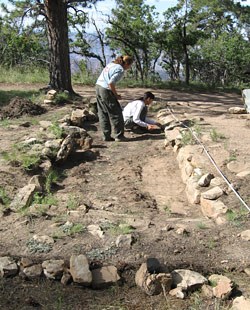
x: 135, y: 113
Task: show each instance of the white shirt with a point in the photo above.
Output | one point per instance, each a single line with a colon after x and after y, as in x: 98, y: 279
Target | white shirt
x: 134, y: 109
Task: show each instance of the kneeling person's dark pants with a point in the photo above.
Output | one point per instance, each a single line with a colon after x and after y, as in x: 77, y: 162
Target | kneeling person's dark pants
x: 130, y: 124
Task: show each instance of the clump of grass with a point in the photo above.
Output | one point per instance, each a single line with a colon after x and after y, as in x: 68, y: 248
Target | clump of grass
x: 30, y: 162
x: 45, y: 200
x: 117, y: 229
x: 211, y: 243
x: 101, y: 254
x: 62, y: 97
x: 216, y: 136
x: 51, y: 179
x: 56, y: 130
x: 188, y: 136
x: 57, y: 235
x: 37, y: 247
x: 4, y: 198
x: 72, y: 203
x: 167, y: 209
x: 5, y: 123
x: 201, y: 225
x: 71, y: 229
x: 236, y: 217
x: 196, y: 301
x: 21, y: 155
x: 31, y: 74
x: 232, y: 156
x: 18, y: 158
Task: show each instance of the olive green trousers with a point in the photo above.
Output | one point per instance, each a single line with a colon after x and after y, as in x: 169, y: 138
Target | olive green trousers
x: 109, y: 113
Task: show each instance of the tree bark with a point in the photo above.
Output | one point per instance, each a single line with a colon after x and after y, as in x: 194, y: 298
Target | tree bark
x: 57, y: 27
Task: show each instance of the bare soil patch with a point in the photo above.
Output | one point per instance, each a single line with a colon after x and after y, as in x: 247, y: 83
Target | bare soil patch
x: 18, y: 107
x: 138, y: 183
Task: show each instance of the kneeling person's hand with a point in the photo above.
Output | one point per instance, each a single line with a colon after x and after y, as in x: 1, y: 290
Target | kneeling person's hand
x: 152, y: 127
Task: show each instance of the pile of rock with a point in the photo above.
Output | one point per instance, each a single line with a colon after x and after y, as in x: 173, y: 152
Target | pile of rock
x: 77, y: 270
x: 50, y: 149
x: 150, y: 277
x: 193, y: 167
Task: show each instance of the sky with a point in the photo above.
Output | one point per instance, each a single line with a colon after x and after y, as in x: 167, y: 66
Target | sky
x: 105, y: 7
x: 160, y: 7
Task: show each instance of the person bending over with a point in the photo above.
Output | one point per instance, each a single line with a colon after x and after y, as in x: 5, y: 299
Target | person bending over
x: 109, y: 109
x: 135, y: 114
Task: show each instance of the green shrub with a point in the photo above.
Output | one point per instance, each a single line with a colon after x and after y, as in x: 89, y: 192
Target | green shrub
x: 57, y: 131
x: 45, y: 200
x: 71, y: 229
x: 51, y: 179
x: 4, y: 198
x: 215, y: 136
x: 72, y: 203
x: 29, y: 75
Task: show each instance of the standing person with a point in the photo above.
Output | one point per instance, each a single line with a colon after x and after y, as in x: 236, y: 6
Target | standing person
x: 135, y: 113
x: 109, y: 109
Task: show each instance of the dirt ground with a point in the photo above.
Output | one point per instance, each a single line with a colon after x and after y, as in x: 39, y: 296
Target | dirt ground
x: 138, y: 183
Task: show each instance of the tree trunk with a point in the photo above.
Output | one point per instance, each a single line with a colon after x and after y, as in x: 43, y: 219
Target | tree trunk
x: 185, y: 48
x: 57, y: 27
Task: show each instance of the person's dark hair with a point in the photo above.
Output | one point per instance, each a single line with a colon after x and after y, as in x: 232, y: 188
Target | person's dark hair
x: 147, y: 95
x: 122, y: 60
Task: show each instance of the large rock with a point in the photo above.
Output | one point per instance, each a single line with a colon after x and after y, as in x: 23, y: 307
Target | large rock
x: 105, y: 276
x: 78, y: 116
x: 188, y: 280
x: 222, y: 286
x: 53, y: 269
x: 245, y: 235
x: 152, y: 284
x: 213, y: 208
x: 78, y: 140
x: 213, y: 193
x: 205, y: 180
x: 241, y: 303
x: 192, y: 191
x: 79, y: 269
x: 24, y: 197
x: 34, y: 271
x: 8, y: 267
x: 237, y: 110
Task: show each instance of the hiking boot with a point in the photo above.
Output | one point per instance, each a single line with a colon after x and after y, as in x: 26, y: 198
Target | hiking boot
x: 108, y: 139
x: 121, y: 139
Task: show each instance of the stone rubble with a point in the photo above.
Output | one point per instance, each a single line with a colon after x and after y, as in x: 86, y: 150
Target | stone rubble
x: 150, y: 278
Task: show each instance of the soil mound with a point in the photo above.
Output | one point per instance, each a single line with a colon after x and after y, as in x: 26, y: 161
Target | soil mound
x: 18, y: 107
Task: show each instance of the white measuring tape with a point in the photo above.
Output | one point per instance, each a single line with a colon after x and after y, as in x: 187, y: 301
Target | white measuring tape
x: 212, y: 160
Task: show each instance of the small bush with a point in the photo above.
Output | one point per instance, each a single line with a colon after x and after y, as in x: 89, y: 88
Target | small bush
x: 4, y: 198
x: 117, y: 229
x: 38, y: 247
x: 71, y: 229
x: 56, y: 130
x: 72, y: 203
x: 45, y: 200
x: 25, y: 160
x: 51, y: 179
x: 215, y: 136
